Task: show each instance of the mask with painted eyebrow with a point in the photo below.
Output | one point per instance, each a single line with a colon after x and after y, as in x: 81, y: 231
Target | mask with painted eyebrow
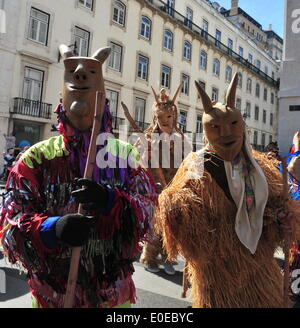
x: 223, y: 123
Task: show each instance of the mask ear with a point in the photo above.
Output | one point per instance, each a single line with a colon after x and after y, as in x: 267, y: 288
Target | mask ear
x: 102, y: 54
x: 230, y: 95
x: 176, y: 93
x: 207, y: 105
x: 155, y: 96
x: 65, y: 51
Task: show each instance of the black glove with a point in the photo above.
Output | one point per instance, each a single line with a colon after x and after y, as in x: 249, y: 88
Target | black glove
x: 93, y: 194
x: 74, y: 229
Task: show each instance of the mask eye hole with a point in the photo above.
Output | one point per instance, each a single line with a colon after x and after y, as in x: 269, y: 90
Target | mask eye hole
x: 93, y: 72
x: 234, y: 122
x: 214, y: 126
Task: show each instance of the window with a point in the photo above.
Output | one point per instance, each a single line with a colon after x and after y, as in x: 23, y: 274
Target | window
x: 168, y: 40
x: 189, y: 17
x: 264, y: 116
x: 140, y: 106
x: 257, y: 90
x: 273, y: 75
x: 187, y: 50
x: 38, y: 26
x: 199, y: 126
x: 250, y: 58
x: 228, y: 74
x: 170, y: 7
x: 203, y: 59
x: 143, y: 64
x: 265, y: 94
x: 238, y: 103
x: 240, y: 80
x: 119, y: 10
x: 185, y: 79
x: 255, y: 138
x: 266, y: 70
x: 256, y: 113
x: 263, y: 140
x: 216, y: 67
x: 33, y: 84
x: 258, y: 63
x: 112, y: 96
x: 271, y: 119
x: 115, y: 59
x: 87, y: 4
x: 165, y: 76
x: 82, y: 40
x: 182, y: 120
x: 215, y: 94
x: 218, y: 38
x: 249, y: 85
x: 241, y: 52
x: 230, y: 46
x: 270, y: 138
x: 272, y: 98
x: 145, y: 30
x: 248, y: 110
x: 205, y: 25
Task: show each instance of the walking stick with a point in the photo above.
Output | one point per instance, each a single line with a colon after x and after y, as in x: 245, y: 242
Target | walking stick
x: 185, y: 281
x: 88, y: 173
x: 287, y: 239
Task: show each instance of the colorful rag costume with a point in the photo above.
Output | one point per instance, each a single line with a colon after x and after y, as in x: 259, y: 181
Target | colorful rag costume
x: 39, y: 193
x: 221, y: 213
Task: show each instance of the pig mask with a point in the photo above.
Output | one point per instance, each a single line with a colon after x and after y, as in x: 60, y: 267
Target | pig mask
x: 82, y: 79
x: 223, y: 124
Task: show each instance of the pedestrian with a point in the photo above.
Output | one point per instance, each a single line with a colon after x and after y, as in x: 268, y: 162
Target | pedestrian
x: 39, y: 220
x: 224, y: 212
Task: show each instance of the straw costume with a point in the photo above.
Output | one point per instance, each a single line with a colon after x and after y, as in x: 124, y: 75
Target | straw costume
x: 165, y: 127
x: 221, y: 213
x: 39, y: 222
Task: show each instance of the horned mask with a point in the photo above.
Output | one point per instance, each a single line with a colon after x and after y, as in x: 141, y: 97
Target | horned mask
x: 165, y: 111
x: 82, y: 79
x: 223, y: 123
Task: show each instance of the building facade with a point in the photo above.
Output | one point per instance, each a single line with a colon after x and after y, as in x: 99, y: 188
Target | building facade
x: 154, y: 43
x: 289, y: 95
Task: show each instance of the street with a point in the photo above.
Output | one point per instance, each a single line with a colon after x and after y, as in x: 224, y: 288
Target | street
x: 153, y: 290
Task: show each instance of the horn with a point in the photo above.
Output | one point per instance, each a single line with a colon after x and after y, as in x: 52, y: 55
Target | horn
x: 207, y: 104
x: 102, y: 54
x: 65, y: 51
x: 230, y: 95
x: 176, y: 93
x: 155, y: 96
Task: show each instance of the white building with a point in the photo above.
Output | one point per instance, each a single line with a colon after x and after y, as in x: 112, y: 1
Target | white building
x: 154, y: 43
x: 289, y: 95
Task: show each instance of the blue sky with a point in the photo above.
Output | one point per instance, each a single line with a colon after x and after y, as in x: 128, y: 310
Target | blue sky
x: 264, y: 11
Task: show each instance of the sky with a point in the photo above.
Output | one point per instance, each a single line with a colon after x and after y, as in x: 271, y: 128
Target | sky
x: 263, y: 11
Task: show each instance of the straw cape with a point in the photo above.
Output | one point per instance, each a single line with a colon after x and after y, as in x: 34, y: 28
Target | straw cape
x: 197, y: 218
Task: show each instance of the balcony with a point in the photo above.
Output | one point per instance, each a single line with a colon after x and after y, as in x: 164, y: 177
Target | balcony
x: 32, y: 108
x: 205, y: 36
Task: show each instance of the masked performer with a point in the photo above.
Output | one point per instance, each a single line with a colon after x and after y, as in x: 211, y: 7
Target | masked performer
x: 39, y: 222
x: 160, y: 139
x: 221, y: 212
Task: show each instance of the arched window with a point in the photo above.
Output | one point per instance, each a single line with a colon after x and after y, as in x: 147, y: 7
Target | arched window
x: 119, y: 10
x: 168, y: 40
x: 249, y: 85
x: 228, y: 74
x: 203, y: 59
x: 187, y: 50
x: 145, y: 30
x: 257, y: 90
x: 240, y: 80
x: 216, y: 67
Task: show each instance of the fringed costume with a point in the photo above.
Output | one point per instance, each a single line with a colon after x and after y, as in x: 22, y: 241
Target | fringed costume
x: 39, y: 190
x: 198, y: 221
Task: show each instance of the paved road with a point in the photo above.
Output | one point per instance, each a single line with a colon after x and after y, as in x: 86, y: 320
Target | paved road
x: 153, y: 290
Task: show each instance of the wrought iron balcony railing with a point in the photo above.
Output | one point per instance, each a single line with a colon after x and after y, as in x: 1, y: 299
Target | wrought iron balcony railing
x: 32, y: 108
x: 162, y: 6
x: 117, y: 121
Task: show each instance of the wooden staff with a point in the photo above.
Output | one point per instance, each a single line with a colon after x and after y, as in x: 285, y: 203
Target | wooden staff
x: 287, y: 239
x: 135, y: 127
x: 88, y: 173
